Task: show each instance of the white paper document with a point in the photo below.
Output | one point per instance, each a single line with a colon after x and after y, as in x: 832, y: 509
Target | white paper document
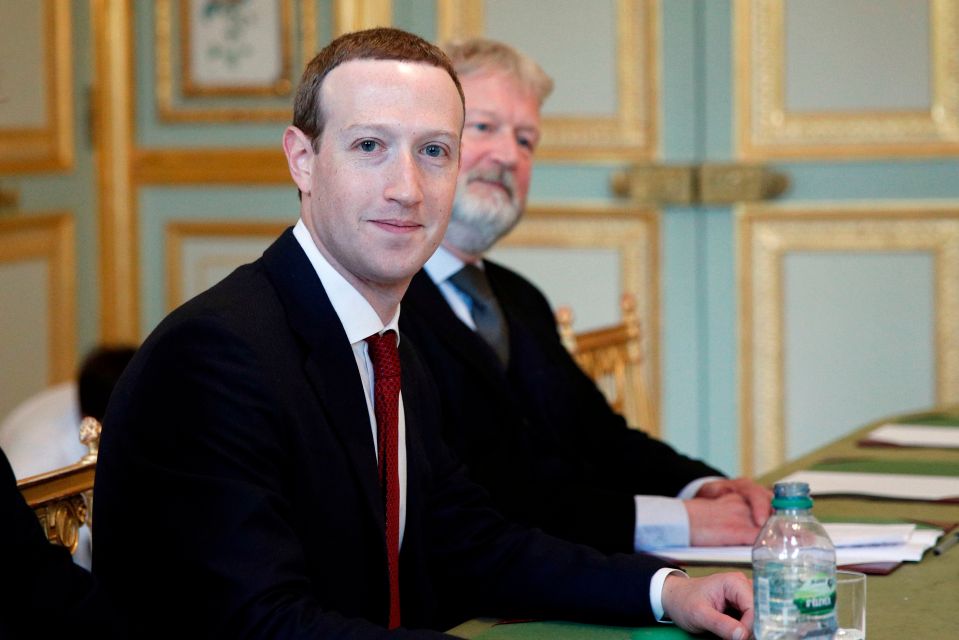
x: 915, y: 435
x: 880, y: 485
x: 855, y: 544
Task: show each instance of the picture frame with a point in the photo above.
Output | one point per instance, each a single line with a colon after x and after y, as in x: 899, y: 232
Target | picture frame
x: 235, y: 47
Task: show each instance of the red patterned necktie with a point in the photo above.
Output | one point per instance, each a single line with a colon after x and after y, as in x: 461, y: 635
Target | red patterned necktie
x: 386, y: 401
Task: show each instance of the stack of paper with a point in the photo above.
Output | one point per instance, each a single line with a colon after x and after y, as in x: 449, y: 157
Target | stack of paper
x: 914, y: 435
x: 855, y: 544
x: 902, y: 486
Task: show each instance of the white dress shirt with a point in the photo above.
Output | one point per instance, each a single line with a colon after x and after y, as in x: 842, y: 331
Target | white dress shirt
x: 360, y: 321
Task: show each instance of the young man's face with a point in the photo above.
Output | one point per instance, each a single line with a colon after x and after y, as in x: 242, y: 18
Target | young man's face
x: 501, y: 132
x: 381, y: 184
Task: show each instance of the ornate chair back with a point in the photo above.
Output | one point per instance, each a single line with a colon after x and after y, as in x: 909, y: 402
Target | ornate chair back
x: 612, y: 357
x: 63, y: 498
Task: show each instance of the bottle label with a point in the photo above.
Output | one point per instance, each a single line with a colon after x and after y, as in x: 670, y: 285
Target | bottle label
x: 816, y: 596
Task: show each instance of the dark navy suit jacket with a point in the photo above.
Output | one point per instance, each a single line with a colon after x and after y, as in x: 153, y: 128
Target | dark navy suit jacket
x: 539, y: 435
x: 236, y: 492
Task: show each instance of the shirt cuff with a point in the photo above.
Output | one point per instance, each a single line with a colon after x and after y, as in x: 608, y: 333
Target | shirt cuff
x: 660, y: 522
x: 691, y: 489
x: 656, y: 591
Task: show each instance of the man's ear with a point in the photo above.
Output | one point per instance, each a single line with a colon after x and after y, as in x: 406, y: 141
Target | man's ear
x: 299, y: 157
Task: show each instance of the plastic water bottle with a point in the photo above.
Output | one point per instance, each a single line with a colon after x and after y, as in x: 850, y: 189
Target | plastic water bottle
x: 794, y: 570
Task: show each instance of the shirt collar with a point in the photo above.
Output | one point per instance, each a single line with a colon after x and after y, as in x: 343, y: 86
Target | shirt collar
x: 356, y: 314
x: 443, y: 264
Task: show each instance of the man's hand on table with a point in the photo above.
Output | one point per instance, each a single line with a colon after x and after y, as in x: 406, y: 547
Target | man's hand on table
x: 700, y: 604
x: 727, y: 512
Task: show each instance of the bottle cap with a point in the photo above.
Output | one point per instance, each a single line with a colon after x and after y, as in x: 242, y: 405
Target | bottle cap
x: 791, y: 495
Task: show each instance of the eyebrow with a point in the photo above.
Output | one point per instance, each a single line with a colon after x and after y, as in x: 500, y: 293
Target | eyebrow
x: 388, y: 129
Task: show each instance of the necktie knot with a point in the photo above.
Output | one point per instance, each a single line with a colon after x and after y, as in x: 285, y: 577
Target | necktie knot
x: 384, y: 355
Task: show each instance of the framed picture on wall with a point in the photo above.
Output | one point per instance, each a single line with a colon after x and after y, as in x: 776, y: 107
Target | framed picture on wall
x: 235, y: 47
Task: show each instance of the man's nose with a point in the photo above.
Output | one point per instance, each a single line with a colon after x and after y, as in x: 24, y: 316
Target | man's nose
x: 505, y: 149
x: 403, y: 185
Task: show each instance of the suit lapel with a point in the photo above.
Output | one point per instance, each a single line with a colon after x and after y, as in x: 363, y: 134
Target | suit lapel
x: 329, y: 365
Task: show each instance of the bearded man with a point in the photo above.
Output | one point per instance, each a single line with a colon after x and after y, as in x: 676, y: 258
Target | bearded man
x: 531, y: 426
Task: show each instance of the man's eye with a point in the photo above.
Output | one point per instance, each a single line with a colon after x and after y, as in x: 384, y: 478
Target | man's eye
x: 434, y: 150
x: 526, y: 142
x: 482, y: 126
x: 367, y: 145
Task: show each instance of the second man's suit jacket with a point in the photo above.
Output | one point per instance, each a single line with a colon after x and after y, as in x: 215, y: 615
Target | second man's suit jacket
x: 539, y: 435
x: 237, y: 495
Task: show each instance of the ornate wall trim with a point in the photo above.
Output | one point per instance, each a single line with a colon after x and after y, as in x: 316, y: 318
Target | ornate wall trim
x: 113, y: 134
x: 765, y: 235
x: 245, y: 166
x: 634, y: 234
x: 632, y: 133
x: 180, y: 232
x: 766, y: 129
x: 49, y: 148
x: 49, y: 237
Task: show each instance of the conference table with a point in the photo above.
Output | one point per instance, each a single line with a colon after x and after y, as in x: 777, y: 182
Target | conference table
x: 917, y: 600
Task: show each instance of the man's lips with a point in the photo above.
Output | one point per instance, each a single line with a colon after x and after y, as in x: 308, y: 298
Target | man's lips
x: 397, y: 226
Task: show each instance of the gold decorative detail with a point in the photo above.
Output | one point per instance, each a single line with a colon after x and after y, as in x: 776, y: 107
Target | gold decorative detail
x: 634, y: 235
x: 729, y: 183
x: 656, y: 184
x: 90, y: 437
x: 280, y: 87
x: 62, y: 519
x: 118, y: 312
x: 50, y: 238
x: 59, y: 498
x: 353, y: 15
x: 177, y: 233
x: 612, y: 357
x: 49, y: 148
x: 766, y: 235
x: 212, y: 166
x: 629, y: 134
x: 700, y: 184
x: 9, y: 199
x: 768, y: 130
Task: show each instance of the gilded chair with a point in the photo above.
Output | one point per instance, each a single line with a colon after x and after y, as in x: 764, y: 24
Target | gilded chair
x: 63, y: 498
x: 612, y: 357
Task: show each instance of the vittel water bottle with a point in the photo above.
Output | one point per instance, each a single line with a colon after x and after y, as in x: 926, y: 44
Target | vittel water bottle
x: 794, y: 570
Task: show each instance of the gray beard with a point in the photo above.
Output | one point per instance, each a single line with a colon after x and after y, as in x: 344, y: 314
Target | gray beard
x: 476, y: 224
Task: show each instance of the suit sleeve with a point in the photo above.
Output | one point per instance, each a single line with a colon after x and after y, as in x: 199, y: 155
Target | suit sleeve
x: 195, y: 447
x: 487, y: 565
x: 570, y: 419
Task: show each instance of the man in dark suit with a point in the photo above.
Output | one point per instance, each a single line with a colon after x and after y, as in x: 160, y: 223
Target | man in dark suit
x: 288, y: 464
x: 529, y: 424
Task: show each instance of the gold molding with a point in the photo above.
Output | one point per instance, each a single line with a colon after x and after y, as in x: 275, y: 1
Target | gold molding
x: 630, y: 134
x: 266, y: 166
x: 353, y: 15
x: 49, y: 237
x: 634, y: 234
x: 113, y: 126
x: 281, y: 87
x: 176, y: 233
x: 766, y: 130
x: 50, y: 148
x: 62, y: 500
x: 765, y: 234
